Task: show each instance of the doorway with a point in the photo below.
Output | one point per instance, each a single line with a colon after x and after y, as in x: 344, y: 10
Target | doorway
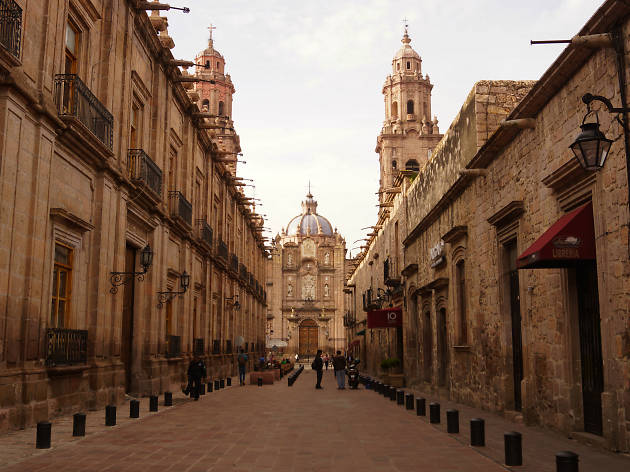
x: 515, y: 318
x: 126, y: 351
x: 590, y: 346
x: 309, y: 334
x: 442, y: 348
x: 427, y: 344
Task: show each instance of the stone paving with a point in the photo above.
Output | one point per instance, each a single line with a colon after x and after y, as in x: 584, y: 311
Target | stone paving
x: 277, y: 428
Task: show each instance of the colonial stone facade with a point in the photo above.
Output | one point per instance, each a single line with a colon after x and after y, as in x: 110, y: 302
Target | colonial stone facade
x: 306, y: 276
x: 105, y: 153
x: 514, y: 268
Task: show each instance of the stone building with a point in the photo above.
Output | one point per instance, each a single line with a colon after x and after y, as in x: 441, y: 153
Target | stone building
x: 305, y: 276
x: 125, y: 238
x: 514, y: 259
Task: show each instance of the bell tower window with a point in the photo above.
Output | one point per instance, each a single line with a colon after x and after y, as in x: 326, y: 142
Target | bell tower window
x: 408, y: 65
x: 394, y: 110
x: 410, y: 107
x: 394, y: 165
x: 205, y: 105
x: 412, y: 165
x: 220, y: 109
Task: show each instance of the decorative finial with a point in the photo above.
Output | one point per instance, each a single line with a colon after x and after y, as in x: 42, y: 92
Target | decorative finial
x: 309, y: 194
x: 210, y: 28
x: 406, y: 39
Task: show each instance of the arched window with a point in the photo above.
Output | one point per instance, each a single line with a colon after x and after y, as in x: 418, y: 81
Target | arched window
x: 410, y: 107
x: 408, y: 65
x: 394, y: 164
x: 218, y: 65
x: 205, y: 105
x: 207, y: 65
x: 413, y: 165
x: 394, y: 110
x: 221, y: 106
x: 398, y: 66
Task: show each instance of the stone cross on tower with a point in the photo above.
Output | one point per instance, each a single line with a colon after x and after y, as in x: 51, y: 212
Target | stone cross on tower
x: 211, y: 27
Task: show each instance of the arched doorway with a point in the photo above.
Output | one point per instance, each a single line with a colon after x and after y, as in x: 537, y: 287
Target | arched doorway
x: 308, y: 338
x: 442, y: 348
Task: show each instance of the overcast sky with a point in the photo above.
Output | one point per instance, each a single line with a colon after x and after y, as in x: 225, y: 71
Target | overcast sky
x: 309, y: 77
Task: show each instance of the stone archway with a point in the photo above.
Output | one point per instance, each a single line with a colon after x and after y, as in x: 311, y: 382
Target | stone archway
x: 308, y: 338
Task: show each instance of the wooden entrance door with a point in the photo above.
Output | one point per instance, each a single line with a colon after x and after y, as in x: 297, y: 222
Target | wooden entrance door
x: 442, y: 348
x: 427, y: 346
x: 127, y: 317
x: 590, y: 346
x: 515, y: 316
x: 308, y: 338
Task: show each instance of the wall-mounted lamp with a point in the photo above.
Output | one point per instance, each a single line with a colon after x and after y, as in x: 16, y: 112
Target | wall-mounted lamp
x: 236, y: 305
x: 167, y: 296
x: 121, y: 278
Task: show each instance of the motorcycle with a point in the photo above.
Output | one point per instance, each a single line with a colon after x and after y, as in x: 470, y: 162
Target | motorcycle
x: 352, y: 372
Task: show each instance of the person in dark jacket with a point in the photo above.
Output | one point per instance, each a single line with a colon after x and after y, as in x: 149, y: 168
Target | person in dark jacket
x: 318, y: 366
x: 196, y: 372
x: 339, y: 364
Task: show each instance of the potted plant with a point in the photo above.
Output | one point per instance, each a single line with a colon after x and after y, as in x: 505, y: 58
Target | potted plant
x: 393, y: 375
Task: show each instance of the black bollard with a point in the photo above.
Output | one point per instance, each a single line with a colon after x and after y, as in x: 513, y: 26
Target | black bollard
x: 229, y: 381
x: 202, y: 389
x: 434, y: 413
x: 409, y: 401
x: 392, y: 393
x: 222, y: 383
x: 367, y: 382
x: 153, y: 403
x: 567, y: 461
x: 421, y: 407
x: 452, y: 421
x: 513, y: 448
x: 134, y: 409
x: 217, y: 385
x: 168, y: 399
x: 110, y: 415
x: 260, y: 381
x: 78, y: 424
x: 400, y: 397
x: 477, y: 432
x: 210, y: 387
x: 290, y: 381
x: 44, y: 429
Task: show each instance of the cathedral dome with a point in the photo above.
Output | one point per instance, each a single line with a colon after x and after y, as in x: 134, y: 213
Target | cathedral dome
x: 309, y: 222
x: 406, y: 50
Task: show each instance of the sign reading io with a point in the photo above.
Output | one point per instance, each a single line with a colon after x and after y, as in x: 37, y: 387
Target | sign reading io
x: 388, y: 318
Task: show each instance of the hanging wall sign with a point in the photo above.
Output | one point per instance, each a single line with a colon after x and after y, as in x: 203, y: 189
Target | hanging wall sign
x: 388, y: 318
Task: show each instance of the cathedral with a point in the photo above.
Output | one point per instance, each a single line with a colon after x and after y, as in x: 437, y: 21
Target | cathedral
x: 305, y: 277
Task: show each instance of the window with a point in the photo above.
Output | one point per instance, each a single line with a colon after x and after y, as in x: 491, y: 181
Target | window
x: 408, y: 65
x: 62, y: 286
x: 135, y: 127
x: 394, y: 164
x: 394, y: 110
x: 412, y: 165
x: 205, y: 105
x: 460, y: 274
x: 398, y: 66
x: 172, y: 170
x: 410, y: 107
x: 218, y: 65
x: 221, y: 106
x: 72, y: 48
x: 207, y: 65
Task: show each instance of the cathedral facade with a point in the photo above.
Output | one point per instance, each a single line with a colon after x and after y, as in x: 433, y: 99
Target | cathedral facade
x: 305, y: 278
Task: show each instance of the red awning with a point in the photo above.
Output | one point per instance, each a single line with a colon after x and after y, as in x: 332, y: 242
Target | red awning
x: 569, y: 240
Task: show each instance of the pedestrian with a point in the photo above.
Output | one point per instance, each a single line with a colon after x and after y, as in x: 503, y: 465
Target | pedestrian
x: 326, y: 360
x: 242, y: 364
x: 196, y: 372
x: 296, y: 357
x: 318, y: 367
x: 339, y: 364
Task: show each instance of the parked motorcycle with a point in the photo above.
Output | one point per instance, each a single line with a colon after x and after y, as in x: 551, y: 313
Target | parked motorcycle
x: 352, y: 372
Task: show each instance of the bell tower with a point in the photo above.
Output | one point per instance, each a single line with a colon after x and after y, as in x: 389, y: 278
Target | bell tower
x: 409, y: 134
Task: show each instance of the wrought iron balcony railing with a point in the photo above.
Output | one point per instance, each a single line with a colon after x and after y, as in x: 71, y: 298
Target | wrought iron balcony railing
x: 216, y: 346
x: 66, y: 347
x: 222, y: 250
x: 180, y: 207
x: 242, y: 271
x: 252, y: 281
x: 205, y: 233
x: 74, y: 98
x: 198, y: 346
x: 173, y: 346
x: 228, y: 346
x: 142, y: 170
x: 234, y: 263
x: 11, y: 26
x: 390, y: 275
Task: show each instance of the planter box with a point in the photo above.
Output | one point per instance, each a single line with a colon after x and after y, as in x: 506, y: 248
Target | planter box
x: 266, y: 375
x: 395, y: 380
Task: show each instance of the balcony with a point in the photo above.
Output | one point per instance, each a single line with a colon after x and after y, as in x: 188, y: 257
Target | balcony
x: 242, y: 272
x: 142, y: 171
x: 66, y: 347
x: 390, y: 275
x: 180, y: 207
x: 198, y: 347
x: 205, y: 233
x: 216, y: 346
x: 228, y: 346
x: 10, y: 26
x: 173, y: 346
x: 234, y: 263
x: 252, y: 281
x: 75, y: 99
x: 222, y: 250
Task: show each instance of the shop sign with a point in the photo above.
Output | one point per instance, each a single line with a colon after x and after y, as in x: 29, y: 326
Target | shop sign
x: 437, y: 254
x: 387, y: 318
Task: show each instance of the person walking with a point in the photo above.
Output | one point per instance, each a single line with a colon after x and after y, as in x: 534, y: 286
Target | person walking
x: 196, y: 372
x: 242, y: 364
x: 318, y: 367
x: 326, y: 360
x: 339, y: 364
